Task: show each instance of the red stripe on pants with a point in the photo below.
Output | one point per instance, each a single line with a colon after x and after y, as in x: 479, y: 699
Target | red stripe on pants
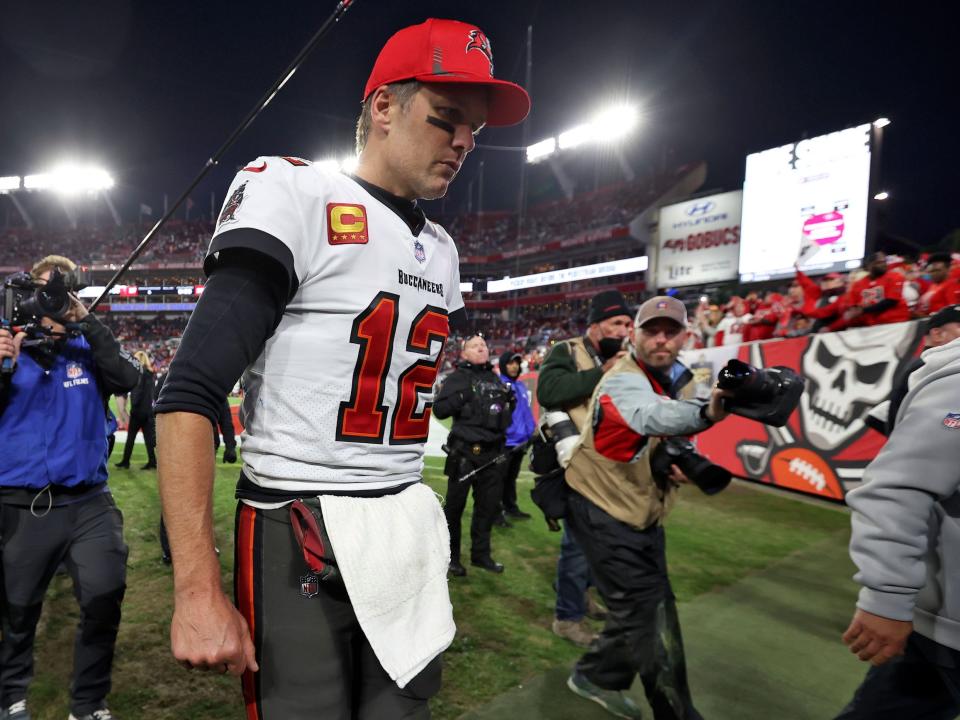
x: 245, y: 598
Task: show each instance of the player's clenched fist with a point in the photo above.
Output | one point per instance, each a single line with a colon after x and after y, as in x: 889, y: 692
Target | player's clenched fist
x: 208, y: 633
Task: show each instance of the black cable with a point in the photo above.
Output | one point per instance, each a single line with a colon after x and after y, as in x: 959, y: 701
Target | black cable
x: 338, y: 13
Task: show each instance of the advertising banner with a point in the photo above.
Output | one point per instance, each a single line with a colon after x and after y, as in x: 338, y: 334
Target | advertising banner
x: 825, y: 445
x: 699, y: 241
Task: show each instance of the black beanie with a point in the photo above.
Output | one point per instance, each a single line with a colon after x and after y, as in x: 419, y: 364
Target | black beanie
x: 607, y: 304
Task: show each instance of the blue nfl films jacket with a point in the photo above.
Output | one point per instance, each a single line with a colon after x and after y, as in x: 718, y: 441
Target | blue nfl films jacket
x: 53, y: 430
x: 522, y: 425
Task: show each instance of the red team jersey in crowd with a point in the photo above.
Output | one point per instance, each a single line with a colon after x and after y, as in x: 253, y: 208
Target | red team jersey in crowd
x: 346, y: 401
x: 869, y: 291
x: 937, y: 297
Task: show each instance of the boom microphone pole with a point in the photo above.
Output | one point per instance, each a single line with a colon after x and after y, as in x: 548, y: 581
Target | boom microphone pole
x: 338, y: 13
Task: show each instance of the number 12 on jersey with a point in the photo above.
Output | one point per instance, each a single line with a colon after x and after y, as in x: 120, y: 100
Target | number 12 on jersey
x: 362, y: 418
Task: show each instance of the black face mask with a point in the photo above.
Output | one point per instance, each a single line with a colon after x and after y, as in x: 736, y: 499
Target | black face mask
x: 608, y: 347
x: 833, y: 291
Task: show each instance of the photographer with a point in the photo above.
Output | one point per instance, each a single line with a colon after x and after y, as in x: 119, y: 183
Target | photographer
x: 481, y: 407
x: 617, y: 508
x: 56, y: 506
x: 567, y: 379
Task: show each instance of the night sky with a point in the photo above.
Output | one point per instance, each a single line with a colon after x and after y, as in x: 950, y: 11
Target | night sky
x: 150, y: 90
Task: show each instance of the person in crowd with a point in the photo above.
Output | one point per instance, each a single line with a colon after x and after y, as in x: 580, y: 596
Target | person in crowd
x: 58, y: 508
x: 708, y: 319
x: 877, y: 298
x: 823, y: 301
x: 904, y: 542
x: 567, y: 379
x: 730, y: 330
x: 332, y: 294
x: 481, y: 407
x: 139, y: 416
x: 942, y: 290
x: 616, y: 510
x: 522, y: 427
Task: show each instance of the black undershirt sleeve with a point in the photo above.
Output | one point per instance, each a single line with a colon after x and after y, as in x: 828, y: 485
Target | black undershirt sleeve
x: 458, y: 320
x: 240, y: 308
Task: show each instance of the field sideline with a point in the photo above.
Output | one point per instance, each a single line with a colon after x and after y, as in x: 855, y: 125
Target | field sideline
x: 503, y: 638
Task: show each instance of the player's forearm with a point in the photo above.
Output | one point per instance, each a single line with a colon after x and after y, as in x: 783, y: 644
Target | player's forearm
x: 185, y: 455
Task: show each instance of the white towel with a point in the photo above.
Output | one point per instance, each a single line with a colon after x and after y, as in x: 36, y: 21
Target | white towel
x: 393, y: 553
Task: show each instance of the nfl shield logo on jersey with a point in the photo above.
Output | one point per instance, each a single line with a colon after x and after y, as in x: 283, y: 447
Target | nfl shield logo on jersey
x: 419, y: 252
x: 952, y: 421
x: 74, y: 371
x: 309, y: 586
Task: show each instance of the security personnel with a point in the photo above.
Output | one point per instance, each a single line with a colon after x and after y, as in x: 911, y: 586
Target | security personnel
x: 56, y: 506
x: 481, y: 407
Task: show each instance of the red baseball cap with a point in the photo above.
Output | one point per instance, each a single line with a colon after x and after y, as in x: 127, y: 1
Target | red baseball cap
x: 448, y: 51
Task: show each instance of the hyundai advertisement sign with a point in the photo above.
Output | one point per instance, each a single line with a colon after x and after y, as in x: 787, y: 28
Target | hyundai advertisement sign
x: 805, y: 204
x: 699, y: 241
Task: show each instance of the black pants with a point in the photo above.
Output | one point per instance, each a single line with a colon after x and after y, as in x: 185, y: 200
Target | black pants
x: 315, y: 661
x: 88, y: 537
x: 148, y: 425
x: 922, y: 683
x: 642, y: 631
x: 225, y: 421
x: 511, y: 470
x: 486, y: 502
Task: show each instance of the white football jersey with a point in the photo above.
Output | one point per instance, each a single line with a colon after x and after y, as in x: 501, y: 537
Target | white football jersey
x: 340, y: 396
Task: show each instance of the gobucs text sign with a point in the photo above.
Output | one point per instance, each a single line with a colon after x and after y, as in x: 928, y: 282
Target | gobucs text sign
x: 699, y: 241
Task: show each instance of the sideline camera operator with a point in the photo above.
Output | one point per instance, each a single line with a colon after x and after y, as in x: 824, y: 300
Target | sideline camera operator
x: 616, y: 510
x: 567, y: 379
x: 56, y: 506
x: 481, y: 406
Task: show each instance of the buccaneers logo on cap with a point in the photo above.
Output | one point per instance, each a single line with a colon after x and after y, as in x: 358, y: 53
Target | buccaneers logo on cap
x: 479, y: 41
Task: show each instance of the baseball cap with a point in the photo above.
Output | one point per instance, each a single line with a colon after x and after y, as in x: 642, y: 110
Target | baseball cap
x: 661, y: 306
x: 949, y: 314
x: 448, y: 51
x: 607, y: 304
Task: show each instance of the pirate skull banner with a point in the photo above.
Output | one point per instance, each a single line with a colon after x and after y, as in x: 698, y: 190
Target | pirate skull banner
x: 826, y: 445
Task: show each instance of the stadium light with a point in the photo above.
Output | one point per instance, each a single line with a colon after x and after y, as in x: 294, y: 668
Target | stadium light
x: 614, y: 122
x: 70, y: 180
x: 544, y: 148
x: 576, y: 136
x: 881, y: 195
x: 609, y: 124
x: 349, y: 164
x: 9, y: 183
x: 881, y: 122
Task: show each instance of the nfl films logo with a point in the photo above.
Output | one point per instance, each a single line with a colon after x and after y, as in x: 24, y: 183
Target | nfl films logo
x: 74, y: 371
x: 952, y: 421
x: 309, y: 586
x: 419, y: 252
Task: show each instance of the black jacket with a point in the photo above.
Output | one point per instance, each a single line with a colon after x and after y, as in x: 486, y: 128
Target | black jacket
x: 479, y: 403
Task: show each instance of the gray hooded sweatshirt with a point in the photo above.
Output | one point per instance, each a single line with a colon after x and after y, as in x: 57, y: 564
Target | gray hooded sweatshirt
x: 906, y: 515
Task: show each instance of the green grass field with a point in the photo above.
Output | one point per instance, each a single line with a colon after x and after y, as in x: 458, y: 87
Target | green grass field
x: 503, y: 637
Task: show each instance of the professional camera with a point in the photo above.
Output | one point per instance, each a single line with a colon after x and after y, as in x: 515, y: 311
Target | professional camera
x: 679, y: 451
x: 559, y: 428
x: 768, y: 395
x: 25, y: 300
